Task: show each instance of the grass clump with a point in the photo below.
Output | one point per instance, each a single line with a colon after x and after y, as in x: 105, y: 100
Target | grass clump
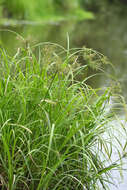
x: 51, y: 124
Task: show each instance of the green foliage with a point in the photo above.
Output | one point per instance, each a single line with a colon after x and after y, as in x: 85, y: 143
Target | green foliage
x: 46, y: 9
x: 103, y: 5
x: 13, y: 8
x: 51, y: 124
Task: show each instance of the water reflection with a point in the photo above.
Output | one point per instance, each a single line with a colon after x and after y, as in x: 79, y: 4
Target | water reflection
x: 120, y: 179
x: 108, y: 35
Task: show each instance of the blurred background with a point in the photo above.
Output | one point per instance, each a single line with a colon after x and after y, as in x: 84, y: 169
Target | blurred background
x: 96, y: 24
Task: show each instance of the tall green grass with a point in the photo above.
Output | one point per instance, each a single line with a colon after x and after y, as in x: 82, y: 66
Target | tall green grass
x: 52, y: 124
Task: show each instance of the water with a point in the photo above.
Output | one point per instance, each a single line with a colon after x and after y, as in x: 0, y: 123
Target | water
x: 107, y: 34
x: 119, y: 181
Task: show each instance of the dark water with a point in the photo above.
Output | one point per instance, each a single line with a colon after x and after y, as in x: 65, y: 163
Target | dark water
x: 106, y: 34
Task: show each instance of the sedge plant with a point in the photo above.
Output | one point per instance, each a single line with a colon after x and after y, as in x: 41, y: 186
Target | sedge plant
x: 51, y: 123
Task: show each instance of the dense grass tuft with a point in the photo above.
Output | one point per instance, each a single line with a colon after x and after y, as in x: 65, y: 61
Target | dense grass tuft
x: 52, y: 124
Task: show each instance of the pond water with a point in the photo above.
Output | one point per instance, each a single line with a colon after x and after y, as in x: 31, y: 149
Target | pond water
x: 106, y: 34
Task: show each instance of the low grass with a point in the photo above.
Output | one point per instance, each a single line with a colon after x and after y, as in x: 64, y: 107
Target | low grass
x: 52, y: 124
